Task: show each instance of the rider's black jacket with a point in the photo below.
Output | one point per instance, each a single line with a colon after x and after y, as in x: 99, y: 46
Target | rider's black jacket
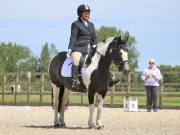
x: 82, y: 35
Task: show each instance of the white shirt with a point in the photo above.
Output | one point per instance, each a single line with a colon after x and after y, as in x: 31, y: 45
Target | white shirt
x: 85, y: 22
x: 151, y: 81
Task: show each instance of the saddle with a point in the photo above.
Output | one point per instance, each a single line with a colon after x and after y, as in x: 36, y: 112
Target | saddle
x: 67, y: 65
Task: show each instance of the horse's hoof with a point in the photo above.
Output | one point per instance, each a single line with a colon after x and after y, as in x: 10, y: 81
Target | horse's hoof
x: 91, y: 126
x: 57, y: 125
x: 63, y: 125
x: 100, y: 127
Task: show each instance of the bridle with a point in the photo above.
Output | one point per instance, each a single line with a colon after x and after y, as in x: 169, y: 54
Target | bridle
x: 118, y: 64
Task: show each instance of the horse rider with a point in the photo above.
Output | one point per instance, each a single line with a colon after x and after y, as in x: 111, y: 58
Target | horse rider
x: 83, y: 35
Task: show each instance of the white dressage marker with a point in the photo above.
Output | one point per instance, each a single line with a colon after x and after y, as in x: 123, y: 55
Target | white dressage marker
x: 131, y: 105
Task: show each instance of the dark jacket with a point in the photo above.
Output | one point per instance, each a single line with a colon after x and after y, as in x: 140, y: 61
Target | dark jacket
x: 81, y: 35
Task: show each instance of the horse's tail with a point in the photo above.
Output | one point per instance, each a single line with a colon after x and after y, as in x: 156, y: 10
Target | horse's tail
x: 61, y: 93
x: 60, y: 97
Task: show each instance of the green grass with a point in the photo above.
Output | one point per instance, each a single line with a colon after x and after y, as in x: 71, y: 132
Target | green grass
x: 172, y: 101
x: 46, y: 99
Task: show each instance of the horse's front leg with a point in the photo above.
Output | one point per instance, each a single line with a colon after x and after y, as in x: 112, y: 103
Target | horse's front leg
x: 91, y: 108
x: 99, y: 111
x: 67, y: 92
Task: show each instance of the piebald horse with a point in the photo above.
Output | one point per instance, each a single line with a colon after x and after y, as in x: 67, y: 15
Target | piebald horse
x: 95, y: 77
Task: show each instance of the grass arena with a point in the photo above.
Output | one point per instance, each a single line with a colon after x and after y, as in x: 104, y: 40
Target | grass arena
x: 24, y: 120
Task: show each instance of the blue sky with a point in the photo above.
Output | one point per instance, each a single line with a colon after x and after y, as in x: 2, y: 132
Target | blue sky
x: 154, y: 23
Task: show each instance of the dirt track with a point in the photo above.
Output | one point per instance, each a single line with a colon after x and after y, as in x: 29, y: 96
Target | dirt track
x: 38, y: 121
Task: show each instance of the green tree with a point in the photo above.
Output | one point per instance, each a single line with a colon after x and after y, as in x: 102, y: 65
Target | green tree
x: 12, y: 56
x: 53, y: 50
x: 44, y: 58
x: 133, y: 53
x: 170, y: 77
x: 29, y: 64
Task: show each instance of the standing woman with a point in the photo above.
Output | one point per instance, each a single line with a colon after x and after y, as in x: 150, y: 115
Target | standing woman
x: 151, y: 76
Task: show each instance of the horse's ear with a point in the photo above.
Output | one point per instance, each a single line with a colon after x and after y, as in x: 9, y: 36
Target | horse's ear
x: 126, y: 38
x: 119, y: 39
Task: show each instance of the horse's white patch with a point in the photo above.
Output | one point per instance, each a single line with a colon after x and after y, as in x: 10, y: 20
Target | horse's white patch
x: 99, y: 110
x: 91, y: 113
x: 110, y: 51
x: 86, y: 72
x: 102, y: 47
x: 124, y: 55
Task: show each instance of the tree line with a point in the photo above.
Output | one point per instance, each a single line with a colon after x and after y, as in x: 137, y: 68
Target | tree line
x: 19, y: 58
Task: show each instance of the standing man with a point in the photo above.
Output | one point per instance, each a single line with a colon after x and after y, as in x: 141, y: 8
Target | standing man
x: 151, y: 76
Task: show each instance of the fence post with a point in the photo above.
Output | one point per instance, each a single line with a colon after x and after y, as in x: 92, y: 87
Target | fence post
x: 42, y: 88
x: 112, y: 92
x: 29, y: 86
x: 161, y: 93
x: 16, y: 88
x: 4, y: 88
x: 81, y: 99
x: 129, y: 85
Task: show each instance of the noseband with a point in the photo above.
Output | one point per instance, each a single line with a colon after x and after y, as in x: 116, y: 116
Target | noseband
x: 115, y: 56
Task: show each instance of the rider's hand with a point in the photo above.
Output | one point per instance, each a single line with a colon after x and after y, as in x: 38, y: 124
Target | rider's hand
x: 68, y: 52
x: 93, y: 46
x: 147, y: 77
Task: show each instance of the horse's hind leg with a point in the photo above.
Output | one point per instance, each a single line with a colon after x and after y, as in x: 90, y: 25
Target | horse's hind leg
x: 55, y: 104
x: 66, y: 94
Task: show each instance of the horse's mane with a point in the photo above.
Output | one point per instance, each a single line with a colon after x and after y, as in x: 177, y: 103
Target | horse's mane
x: 104, y: 44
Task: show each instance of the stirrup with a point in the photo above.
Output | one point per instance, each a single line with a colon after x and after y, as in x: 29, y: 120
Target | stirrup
x: 75, y: 84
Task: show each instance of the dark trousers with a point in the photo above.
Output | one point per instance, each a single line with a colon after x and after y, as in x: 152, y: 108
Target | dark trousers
x: 151, y: 93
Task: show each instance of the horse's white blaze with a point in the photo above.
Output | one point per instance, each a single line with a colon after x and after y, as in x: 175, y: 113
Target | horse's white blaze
x: 91, y: 112
x: 124, y: 55
x: 86, y: 72
x: 99, y: 110
x: 55, y: 102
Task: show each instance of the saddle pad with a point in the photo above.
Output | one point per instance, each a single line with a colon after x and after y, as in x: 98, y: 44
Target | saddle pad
x: 66, y: 68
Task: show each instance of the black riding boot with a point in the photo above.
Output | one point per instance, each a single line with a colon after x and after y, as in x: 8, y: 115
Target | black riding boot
x: 75, y: 80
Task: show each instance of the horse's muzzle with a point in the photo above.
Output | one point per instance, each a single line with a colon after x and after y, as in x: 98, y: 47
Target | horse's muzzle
x: 126, y: 67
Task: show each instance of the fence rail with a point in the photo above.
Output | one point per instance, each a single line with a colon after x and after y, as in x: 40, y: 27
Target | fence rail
x: 41, y: 87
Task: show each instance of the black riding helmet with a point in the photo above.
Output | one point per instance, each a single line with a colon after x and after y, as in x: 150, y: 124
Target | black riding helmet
x: 82, y: 8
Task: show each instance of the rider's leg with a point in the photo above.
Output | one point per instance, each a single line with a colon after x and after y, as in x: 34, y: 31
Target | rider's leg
x: 113, y: 80
x: 76, y: 59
